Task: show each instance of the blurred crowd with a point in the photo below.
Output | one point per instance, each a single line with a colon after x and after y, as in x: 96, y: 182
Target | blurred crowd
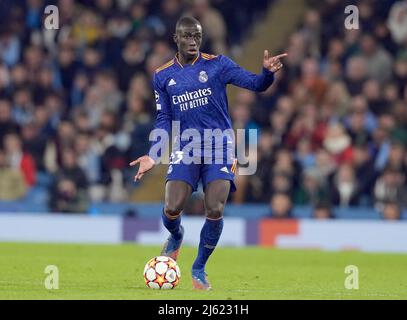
x: 333, y: 130
x: 76, y: 103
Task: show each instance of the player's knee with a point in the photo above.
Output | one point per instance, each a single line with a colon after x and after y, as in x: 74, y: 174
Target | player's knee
x: 172, y: 210
x: 215, y: 211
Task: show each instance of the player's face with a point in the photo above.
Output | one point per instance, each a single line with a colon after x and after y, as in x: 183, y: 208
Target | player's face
x: 188, y: 40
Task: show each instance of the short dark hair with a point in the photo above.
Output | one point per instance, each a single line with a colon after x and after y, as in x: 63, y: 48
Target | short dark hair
x: 186, y: 21
x: 324, y: 205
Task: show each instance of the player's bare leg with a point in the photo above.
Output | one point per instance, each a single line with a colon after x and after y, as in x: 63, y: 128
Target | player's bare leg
x: 176, y: 195
x: 216, y: 195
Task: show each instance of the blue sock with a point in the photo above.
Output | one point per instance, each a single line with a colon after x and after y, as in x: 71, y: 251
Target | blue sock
x: 210, y: 234
x: 172, y: 225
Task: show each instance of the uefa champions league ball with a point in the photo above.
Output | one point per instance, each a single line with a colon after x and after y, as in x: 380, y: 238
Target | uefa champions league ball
x: 162, y: 273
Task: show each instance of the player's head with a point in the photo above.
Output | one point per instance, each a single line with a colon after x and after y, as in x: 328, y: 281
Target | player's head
x: 188, y: 36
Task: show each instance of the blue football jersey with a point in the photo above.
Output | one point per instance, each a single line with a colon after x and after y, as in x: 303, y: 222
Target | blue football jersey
x: 195, y: 94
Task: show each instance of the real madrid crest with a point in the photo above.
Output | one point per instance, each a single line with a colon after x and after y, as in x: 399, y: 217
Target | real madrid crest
x: 203, y: 77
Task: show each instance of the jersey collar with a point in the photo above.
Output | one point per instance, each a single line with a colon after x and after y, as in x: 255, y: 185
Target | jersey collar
x: 193, y: 62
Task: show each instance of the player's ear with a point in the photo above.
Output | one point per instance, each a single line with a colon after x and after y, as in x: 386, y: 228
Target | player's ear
x: 175, y: 38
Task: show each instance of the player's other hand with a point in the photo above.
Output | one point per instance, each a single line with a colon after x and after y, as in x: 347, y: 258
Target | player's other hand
x: 273, y: 64
x: 146, y: 163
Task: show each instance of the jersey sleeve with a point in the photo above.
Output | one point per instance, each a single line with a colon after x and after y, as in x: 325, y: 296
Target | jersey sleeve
x: 163, y: 118
x: 234, y: 74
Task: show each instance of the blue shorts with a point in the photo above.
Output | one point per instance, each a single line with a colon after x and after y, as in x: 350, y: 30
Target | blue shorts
x: 193, y: 172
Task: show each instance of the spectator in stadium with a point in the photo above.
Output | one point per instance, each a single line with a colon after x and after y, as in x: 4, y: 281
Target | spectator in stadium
x: 400, y: 72
x: 4, y: 79
x: 381, y: 146
x: 241, y: 114
x: 64, y: 138
x: 363, y: 165
x: 359, y: 104
x: 391, y: 211
x: 391, y: 93
x: 377, y: 59
x: 12, y: 184
x: 246, y: 97
x: 10, y: 46
x: 79, y: 87
x: 23, y: 107
x: 390, y: 187
x: 18, y: 159
x: 34, y: 143
x: 44, y: 85
x: 396, y: 157
x: 325, y: 164
x: 311, y: 31
x: 304, y: 153
x: 92, y: 60
x: 323, y: 211
x: 7, y: 125
x: 138, y: 123
x: 357, y: 128
x: 400, y: 113
x: 338, y: 143
x: 253, y: 188
x: 19, y: 77
x: 105, y: 8
x: 113, y: 145
x: 285, y: 164
x: 286, y: 106
x: 279, y: 124
x: 312, y: 80
x: 356, y: 74
x: 87, y: 28
x: 139, y: 87
x: 338, y: 97
x: 71, y: 170
x: 213, y: 23
x: 111, y: 96
x: 304, y: 125
x: 67, y: 198
x: 89, y: 161
x: 312, y: 188
x: 131, y: 62
x: 67, y: 66
x: 280, y: 206
x: 372, y: 90
x: 281, y: 182
x: 169, y: 13
x: 34, y: 58
x: 397, y: 21
x: 345, y: 189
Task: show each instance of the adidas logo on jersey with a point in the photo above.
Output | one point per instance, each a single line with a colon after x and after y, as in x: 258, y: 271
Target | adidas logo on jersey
x: 224, y: 169
x: 172, y: 82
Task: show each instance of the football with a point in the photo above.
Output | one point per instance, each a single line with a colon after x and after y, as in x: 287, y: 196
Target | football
x: 162, y: 273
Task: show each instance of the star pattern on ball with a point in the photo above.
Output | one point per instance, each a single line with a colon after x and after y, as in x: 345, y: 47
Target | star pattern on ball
x: 171, y: 264
x: 152, y: 263
x: 160, y: 280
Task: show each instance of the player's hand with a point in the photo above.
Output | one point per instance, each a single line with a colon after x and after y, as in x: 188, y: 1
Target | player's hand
x: 273, y: 64
x: 146, y: 163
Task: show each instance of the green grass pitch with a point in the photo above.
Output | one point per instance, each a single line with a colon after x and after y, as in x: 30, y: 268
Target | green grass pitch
x: 115, y: 272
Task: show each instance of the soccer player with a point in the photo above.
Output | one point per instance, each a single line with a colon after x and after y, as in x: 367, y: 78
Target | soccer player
x: 191, y: 89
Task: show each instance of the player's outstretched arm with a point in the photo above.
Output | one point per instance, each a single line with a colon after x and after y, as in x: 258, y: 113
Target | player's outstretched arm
x: 146, y: 163
x: 273, y: 64
x: 234, y: 74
